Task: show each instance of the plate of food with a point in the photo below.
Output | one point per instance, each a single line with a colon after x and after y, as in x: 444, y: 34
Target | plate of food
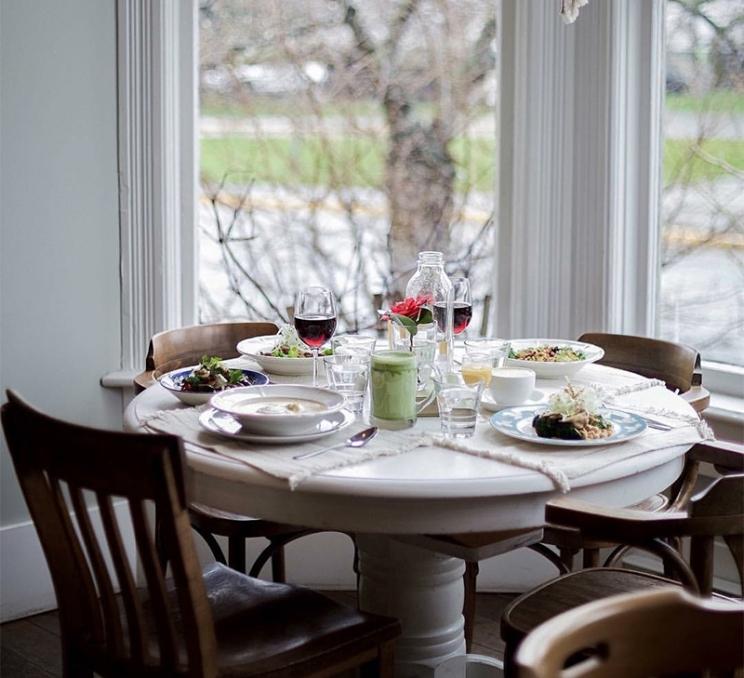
x: 552, y: 358
x: 226, y: 425
x: 195, y: 385
x: 574, y: 417
x: 279, y: 409
x: 283, y: 353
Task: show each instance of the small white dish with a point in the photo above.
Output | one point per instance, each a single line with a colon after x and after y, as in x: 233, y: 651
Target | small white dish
x: 225, y: 425
x: 516, y: 422
x: 489, y: 403
x: 511, y: 385
x: 262, y: 409
x: 554, y: 370
x: 255, y: 347
x: 171, y: 382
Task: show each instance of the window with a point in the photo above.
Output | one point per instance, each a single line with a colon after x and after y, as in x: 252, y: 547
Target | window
x: 702, y: 255
x: 337, y: 140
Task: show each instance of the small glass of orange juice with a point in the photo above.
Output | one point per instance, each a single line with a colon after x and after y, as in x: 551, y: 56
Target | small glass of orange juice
x: 476, y: 367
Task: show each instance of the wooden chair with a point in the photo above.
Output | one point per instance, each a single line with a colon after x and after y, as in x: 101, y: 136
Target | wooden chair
x: 213, y: 623
x: 675, y: 364
x: 718, y: 511
x: 652, y: 633
x: 185, y: 346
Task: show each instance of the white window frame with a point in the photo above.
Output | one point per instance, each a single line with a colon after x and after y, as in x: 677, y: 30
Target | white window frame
x: 158, y: 169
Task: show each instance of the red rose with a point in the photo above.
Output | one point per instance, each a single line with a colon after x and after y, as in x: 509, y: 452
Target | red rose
x: 411, y: 306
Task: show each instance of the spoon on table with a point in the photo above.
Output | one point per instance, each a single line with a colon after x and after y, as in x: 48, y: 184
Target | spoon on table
x: 357, y: 440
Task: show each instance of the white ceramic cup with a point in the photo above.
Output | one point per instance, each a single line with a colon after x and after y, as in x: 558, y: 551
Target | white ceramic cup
x: 512, y: 385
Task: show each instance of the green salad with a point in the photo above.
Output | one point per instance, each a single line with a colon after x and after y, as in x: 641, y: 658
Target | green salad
x: 289, y: 345
x: 211, y: 376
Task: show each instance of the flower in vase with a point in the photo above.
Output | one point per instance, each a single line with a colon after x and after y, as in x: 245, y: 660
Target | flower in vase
x: 410, y: 313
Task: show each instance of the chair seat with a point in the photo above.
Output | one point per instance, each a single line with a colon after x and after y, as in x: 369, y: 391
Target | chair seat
x: 269, y: 629
x: 569, y: 591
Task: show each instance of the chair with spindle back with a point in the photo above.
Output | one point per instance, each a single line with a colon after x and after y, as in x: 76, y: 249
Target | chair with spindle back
x: 650, y: 633
x: 185, y: 346
x: 717, y: 511
x: 212, y: 623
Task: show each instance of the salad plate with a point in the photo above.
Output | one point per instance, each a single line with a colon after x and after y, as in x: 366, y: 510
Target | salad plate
x: 516, y: 422
x: 226, y: 425
x: 201, y: 389
x: 278, y: 409
x: 552, y: 358
x: 282, y: 353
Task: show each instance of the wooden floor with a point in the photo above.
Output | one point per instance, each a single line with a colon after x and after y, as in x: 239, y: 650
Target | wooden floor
x: 30, y: 648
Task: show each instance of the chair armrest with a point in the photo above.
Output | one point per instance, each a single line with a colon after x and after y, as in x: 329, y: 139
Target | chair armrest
x: 617, y: 525
x: 698, y: 397
x: 142, y: 381
x: 727, y: 457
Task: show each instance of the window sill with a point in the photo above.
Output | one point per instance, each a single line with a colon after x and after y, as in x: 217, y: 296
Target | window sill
x: 121, y: 379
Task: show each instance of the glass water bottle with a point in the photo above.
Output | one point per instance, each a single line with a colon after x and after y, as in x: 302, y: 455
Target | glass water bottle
x: 431, y: 281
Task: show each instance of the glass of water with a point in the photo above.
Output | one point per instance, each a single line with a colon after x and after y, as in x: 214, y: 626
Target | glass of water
x: 498, y: 349
x: 353, y: 344
x: 458, y: 408
x: 348, y: 374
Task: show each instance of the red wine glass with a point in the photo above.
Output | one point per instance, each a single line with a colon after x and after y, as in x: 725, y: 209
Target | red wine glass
x: 463, y: 304
x: 315, y: 320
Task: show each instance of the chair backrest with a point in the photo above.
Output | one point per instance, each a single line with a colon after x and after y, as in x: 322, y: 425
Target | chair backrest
x: 661, y: 632
x: 185, y: 346
x: 58, y: 464
x: 674, y: 364
x: 172, y: 349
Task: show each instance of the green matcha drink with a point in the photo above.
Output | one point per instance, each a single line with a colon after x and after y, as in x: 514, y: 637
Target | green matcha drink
x: 393, y: 378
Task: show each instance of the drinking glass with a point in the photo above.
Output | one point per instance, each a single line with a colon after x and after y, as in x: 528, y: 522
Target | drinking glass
x: 315, y: 320
x: 476, y: 367
x: 498, y: 349
x: 458, y: 408
x: 348, y: 374
x: 463, y: 305
x: 353, y: 344
x: 394, y: 386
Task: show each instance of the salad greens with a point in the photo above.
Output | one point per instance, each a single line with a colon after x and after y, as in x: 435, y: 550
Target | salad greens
x: 289, y: 345
x: 211, y: 375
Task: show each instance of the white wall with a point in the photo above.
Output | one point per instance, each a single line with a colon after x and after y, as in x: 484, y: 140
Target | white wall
x: 59, y: 238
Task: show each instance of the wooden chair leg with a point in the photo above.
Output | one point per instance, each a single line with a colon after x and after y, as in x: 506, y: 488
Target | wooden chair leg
x: 590, y: 558
x: 278, y: 569
x: 468, y: 609
x: 383, y: 665
x: 236, y: 553
x: 567, y: 556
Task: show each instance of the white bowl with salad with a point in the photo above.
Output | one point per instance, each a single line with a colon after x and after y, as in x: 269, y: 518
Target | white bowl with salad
x: 552, y: 358
x: 283, y: 353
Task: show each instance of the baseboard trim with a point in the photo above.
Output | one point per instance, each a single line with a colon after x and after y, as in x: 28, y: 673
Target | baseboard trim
x: 25, y: 585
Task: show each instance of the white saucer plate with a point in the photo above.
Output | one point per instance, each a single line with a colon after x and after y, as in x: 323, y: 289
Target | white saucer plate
x: 516, y: 422
x: 227, y: 426
x: 491, y: 404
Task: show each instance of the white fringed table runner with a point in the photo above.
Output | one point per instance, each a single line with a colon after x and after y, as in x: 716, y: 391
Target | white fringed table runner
x: 559, y: 464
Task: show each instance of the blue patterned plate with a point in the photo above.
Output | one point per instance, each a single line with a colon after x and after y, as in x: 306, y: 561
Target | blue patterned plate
x: 516, y: 422
x: 171, y: 381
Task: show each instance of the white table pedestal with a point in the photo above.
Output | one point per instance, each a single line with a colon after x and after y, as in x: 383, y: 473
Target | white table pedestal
x: 424, y: 590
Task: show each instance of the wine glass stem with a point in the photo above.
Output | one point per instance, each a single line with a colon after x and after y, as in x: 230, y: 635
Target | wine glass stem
x: 315, y: 366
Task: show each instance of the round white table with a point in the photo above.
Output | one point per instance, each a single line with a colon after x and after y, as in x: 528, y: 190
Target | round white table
x: 420, y: 492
